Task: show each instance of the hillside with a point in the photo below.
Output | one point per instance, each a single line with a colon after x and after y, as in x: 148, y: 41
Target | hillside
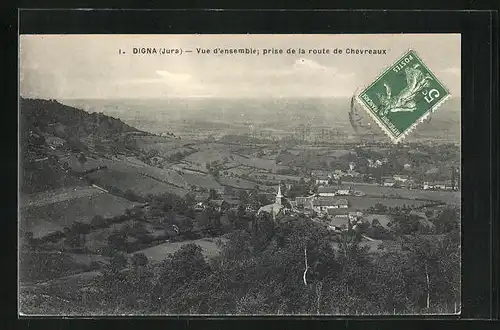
x: 50, y: 131
x: 52, y: 117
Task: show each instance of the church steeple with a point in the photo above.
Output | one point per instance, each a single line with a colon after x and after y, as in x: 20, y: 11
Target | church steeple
x: 279, y: 196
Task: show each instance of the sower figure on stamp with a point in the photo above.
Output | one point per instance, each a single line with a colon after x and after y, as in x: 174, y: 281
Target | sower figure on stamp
x: 405, y: 100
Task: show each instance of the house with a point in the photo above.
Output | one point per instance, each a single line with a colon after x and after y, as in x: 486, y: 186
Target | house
x: 355, y: 216
x: 327, y: 191
x: 54, y: 142
x: 401, y: 178
x: 389, y: 182
x: 344, y: 192
x: 304, y: 201
x: 339, y: 173
x: 342, y: 203
x: 338, y: 212
x: 317, y: 173
x: 219, y: 205
x: 201, y: 197
x: 338, y: 223
x: 322, y: 180
x: 201, y: 201
x: 353, y: 174
x: 323, y: 204
x: 439, y: 185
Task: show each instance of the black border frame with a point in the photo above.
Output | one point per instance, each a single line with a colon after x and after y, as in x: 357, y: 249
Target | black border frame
x: 479, y: 31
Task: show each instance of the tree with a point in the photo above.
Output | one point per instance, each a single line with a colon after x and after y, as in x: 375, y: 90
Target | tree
x: 213, y: 194
x: 243, y: 196
x: 139, y: 260
x: 117, y: 241
x: 447, y: 221
x: 98, y: 221
x: 81, y: 158
x: 263, y: 231
x: 178, y: 275
x: 186, y: 225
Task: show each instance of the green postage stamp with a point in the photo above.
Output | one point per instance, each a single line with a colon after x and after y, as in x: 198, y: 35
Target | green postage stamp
x: 403, y: 95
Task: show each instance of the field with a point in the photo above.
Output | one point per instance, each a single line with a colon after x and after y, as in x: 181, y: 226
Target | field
x: 166, y: 175
x: 64, y: 214
x: 450, y: 197
x: 225, y: 156
x: 366, y: 202
x: 209, y: 156
x: 77, y: 166
x: 262, y: 176
x: 160, y: 252
x: 58, y: 195
x: 134, y: 165
x: 260, y: 163
x: 239, y: 170
x: 191, y: 167
x: 199, y: 180
x: 236, y: 182
x: 140, y: 184
x: 97, y: 239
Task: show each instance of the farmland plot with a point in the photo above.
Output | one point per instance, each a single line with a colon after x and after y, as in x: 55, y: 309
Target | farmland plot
x: 82, y: 209
x: 451, y: 197
x: 77, y: 166
x: 240, y: 171
x: 140, y: 184
x: 210, y: 155
x: 58, y: 195
x: 262, y: 176
x: 199, y: 180
x: 133, y: 165
x: 366, y: 202
x: 236, y: 182
x: 194, y: 167
x: 161, y: 252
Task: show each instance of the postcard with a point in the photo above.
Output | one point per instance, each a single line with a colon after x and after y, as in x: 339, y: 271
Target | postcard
x: 239, y: 174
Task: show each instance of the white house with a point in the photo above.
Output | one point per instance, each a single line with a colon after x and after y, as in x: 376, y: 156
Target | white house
x: 389, y: 182
x: 322, y: 180
x: 324, y: 204
x: 355, y: 216
x: 343, y: 192
x: 441, y: 185
x: 401, y: 178
x: 327, y: 191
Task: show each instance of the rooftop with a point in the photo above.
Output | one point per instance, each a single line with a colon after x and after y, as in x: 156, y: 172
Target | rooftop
x: 327, y: 189
x: 341, y: 211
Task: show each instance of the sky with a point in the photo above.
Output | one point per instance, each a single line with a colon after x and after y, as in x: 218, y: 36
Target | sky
x: 91, y: 66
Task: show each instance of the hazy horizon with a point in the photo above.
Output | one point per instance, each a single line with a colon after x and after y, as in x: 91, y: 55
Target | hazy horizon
x: 190, y: 117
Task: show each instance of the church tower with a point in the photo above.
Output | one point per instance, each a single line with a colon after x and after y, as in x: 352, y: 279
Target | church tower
x: 279, y: 196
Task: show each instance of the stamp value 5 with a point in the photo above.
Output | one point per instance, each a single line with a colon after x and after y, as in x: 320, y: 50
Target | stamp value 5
x: 403, y: 96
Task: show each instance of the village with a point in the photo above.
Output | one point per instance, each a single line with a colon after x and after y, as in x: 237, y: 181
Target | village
x: 86, y: 202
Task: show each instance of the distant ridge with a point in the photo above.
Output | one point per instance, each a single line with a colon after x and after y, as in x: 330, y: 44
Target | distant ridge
x: 66, y: 122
